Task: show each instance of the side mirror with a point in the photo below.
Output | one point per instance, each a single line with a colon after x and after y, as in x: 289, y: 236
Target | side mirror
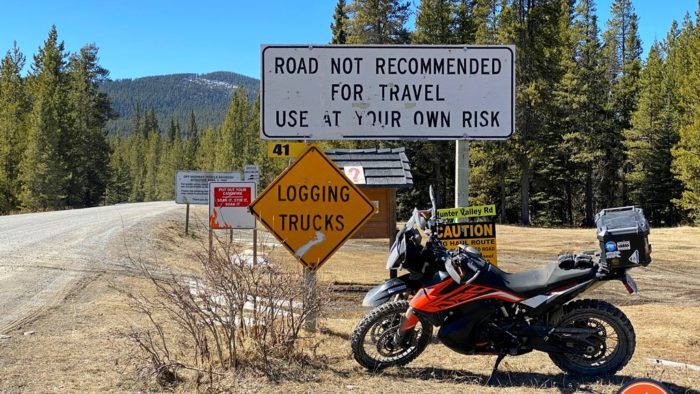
x: 422, y: 224
x: 433, y: 210
x: 417, y: 219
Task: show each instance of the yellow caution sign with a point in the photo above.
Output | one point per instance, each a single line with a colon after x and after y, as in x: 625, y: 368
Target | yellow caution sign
x: 481, y: 236
x: 312, y: 208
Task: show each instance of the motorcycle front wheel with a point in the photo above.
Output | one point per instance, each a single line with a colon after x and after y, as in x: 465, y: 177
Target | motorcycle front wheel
x: 608, y: 350
x: 372, y: 339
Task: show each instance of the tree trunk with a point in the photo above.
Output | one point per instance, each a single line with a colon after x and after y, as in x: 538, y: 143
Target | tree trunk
x: 569, y: 205
x: 525, y: 191
x: 589, y: 196
x: 502, y: 208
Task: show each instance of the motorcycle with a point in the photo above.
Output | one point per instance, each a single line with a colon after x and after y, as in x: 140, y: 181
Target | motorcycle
x: 481, y: 309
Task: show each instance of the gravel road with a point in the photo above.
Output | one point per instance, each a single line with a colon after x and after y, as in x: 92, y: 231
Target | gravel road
x: 43, y: 256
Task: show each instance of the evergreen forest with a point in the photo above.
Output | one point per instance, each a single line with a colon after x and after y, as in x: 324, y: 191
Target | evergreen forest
x: 596, y: 125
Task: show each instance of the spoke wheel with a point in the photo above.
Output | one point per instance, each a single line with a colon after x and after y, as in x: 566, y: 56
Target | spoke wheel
x: 604, y: 352
x: 373, y: 339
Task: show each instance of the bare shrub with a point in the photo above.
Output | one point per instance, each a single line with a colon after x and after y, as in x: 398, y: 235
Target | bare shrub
x: 238, y: 314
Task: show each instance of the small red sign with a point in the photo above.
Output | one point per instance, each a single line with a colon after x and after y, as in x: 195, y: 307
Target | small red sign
x: 228, y: 197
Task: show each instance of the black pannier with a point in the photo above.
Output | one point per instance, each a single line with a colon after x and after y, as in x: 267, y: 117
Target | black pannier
x: 624, y: 238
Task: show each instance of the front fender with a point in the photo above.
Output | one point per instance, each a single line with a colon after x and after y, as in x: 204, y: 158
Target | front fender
x: 382, y: 293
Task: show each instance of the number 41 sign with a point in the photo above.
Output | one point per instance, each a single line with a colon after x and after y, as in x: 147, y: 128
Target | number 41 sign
x: 285, y: 150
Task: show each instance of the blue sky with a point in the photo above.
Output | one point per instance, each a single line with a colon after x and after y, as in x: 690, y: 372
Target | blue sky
x: 141, y: 38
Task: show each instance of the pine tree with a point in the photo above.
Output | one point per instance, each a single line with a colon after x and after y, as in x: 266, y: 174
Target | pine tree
x: 649, y: 143
x: 192, y: 129
x: 535, y: 28
x: 138, y: 126
x: 551, y: 189
x: 340, y: 22
x: 88, y: 112
x: 581, y: 98
x: 435, y: 22
x: 174, y: 130
x: 14, y: 106
x: 120, y: 183
x: 378, y: 22
x: 231, y: 142
x: 205, y: 158
x: 150, y: 123
x: 622, y: 49
x: 135, y: 155
x: 192, y: 143
x: 486, y: 14
x: 151, y: 162
x: 686, y: 153
x: 172, y: 158
x: 43, y: 171
x: 465, y: 28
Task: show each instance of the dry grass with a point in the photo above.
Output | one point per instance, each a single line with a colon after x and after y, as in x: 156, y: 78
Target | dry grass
x: 75, y: 349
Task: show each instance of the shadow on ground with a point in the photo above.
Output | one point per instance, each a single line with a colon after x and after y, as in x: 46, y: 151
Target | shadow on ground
x: 565, y: 383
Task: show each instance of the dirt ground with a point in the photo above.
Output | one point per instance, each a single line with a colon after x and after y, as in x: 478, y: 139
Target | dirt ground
x: 75, y: 346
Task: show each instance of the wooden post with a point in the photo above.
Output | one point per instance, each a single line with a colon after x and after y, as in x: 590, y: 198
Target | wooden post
x: 255, y: 246
x: 310, y: 284
x: 211, y: 244
x: 187, y: 219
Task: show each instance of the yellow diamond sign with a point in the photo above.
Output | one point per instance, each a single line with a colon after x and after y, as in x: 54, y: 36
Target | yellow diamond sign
x: 312, y: 208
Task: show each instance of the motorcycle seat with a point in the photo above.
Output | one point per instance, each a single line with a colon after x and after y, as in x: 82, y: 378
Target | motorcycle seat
x: 545, y: 278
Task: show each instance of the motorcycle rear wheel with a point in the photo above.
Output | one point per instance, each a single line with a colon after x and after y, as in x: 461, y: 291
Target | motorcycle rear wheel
x: 371, y: 340
x: 611, y: 347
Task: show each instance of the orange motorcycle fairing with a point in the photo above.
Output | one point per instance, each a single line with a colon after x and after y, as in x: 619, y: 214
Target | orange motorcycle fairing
x: 448, y: 294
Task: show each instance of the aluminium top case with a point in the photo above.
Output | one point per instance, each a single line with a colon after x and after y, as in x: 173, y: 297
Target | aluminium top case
x: 623, y: 234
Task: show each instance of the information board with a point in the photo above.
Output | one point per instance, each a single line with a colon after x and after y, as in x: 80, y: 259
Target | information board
x: 192, y: 187
x: 387, y: 92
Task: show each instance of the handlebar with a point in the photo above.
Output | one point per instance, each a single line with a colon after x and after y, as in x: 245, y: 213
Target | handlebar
x: 457, y: 273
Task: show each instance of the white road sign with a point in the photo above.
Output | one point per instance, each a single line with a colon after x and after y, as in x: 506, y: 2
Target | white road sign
x: 192, y: 187
x: 228, y: 205
x: 387, y: 92
x: 251, y: 172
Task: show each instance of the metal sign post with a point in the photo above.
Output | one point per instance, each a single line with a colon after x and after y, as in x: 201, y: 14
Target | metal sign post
x: 187, y: 219
x: 310, y: 284
x: 461, y: 173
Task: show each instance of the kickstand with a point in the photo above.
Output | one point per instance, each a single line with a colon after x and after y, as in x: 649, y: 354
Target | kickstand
x: 500, y: 358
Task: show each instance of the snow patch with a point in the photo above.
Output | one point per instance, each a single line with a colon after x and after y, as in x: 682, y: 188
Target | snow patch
x: 212, y: 84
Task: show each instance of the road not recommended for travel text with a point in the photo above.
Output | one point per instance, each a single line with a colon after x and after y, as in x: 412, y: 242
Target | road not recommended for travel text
x: 333, y: 92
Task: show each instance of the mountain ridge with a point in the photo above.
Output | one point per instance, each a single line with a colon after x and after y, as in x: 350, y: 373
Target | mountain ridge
x: 175, y: 96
